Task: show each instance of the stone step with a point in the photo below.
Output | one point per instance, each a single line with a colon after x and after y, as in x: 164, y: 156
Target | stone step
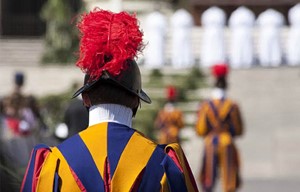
x: 18, y: 52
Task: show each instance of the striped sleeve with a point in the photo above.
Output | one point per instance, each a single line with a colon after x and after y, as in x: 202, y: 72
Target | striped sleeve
x: 32, y: 174
x: 201, y: 123
x: 179, y: 119
x: 177, y: 170
x: 237, y: 123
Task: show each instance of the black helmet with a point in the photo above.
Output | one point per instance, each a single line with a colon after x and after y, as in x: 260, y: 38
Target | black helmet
x: 109, y: 43
x: 129, y: 79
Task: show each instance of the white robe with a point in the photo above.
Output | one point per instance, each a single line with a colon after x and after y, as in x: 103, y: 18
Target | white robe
x: 269, y: 38
x: 156, y: 26
x: 241, y: 23
x: 182, y: 52
x: 213, y: 45
x: 293, y: 37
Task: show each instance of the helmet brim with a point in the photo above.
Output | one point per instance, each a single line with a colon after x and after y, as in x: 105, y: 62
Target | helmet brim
x: 107, y: 77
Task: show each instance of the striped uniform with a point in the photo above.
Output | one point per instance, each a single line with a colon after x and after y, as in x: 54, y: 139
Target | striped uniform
x: 108, y: 157
x: 219, y: 121
x: 169, y: 124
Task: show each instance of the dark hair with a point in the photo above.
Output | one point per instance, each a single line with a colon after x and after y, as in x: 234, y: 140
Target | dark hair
x: 106, y: 92
x: 19, y: 78
x: 221, y: 82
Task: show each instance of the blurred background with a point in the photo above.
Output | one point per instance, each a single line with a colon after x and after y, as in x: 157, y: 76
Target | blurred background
x: 38, y: 39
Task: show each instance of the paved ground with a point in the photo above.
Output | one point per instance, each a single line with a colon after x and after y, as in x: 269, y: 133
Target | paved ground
x: 271, y: 185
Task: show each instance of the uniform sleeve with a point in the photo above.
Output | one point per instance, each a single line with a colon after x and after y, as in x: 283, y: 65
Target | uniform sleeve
x: 32, y: 174
x: 48, y: 171
x: 237, y: 123
x: 201, y: 122
x: 178, y: 174
x: 179, y: 119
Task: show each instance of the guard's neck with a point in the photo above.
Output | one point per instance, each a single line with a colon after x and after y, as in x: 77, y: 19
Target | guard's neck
x: 218, y: 93
x: 110, y: 113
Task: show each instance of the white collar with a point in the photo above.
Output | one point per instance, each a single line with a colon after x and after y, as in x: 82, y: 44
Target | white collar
x: 169, y: 107
x: 110, y: 113
x: 218, y: 93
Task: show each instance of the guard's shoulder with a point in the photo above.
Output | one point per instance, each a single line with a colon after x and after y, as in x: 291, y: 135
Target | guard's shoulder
x: 37, y: 159
x: 39, y: 154
x: 40, y: 148
x: 149, y: 141
x: 232, y: 102
x: 204, y: 103
x: 175, y: 147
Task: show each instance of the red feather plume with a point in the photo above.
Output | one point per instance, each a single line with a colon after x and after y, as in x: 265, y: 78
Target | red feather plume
x: 171, y: 93
x: 220, y: 70
x: 107, y: 41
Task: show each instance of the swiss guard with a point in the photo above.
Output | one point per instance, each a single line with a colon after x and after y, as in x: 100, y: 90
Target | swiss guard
x: 109, y: 155
x: 169, y: 120
x: 219, y: 123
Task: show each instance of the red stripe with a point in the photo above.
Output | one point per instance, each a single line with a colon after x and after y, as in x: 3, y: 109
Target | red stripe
x: 107, y: 176
x: 40, y: 156
x: 79, y: 183
x: 39, y: 160
x: 171, y: 153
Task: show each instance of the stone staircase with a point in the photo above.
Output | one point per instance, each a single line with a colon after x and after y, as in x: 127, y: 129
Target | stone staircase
x: 20, y: 52
x: 176, y: 78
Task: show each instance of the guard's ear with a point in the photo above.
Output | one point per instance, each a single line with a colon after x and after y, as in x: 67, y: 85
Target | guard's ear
x: 86, y: 100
